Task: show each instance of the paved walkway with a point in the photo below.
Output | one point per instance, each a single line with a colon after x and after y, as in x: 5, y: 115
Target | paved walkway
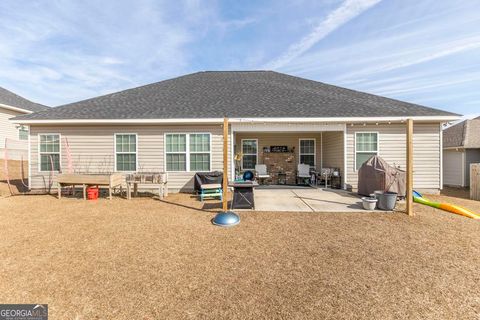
x: 306, y: 199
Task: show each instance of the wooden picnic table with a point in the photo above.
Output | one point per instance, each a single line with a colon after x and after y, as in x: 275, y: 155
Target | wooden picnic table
x: 110, y: 181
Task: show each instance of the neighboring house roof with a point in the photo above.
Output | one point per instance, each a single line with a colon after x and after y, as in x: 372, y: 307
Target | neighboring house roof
x: 235, y: 94
x: 465, y: 134
x: 11, y: 99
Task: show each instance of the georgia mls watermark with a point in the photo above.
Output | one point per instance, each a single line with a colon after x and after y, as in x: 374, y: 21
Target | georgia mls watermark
x: 23, y: 311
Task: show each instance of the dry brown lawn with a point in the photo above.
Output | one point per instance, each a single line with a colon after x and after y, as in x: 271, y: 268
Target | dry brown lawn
x: 15, y: 173
x: 148, y: 259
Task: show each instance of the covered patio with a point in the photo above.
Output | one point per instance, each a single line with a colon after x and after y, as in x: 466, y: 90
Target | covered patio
x: 281, y: 148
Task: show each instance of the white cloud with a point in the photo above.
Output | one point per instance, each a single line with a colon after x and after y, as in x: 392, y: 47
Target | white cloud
x: 82, y: 49
x: 346, y: 12
x: 421, y: 54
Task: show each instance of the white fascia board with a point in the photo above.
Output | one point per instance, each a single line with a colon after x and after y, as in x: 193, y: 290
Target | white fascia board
x: 348, y: 119
x: 120, y: 121
x: 6, y: 106
x: 239, y: 120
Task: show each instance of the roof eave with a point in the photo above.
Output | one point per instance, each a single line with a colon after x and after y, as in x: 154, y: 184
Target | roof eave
x: 235, y: 120
x: 8, y: 107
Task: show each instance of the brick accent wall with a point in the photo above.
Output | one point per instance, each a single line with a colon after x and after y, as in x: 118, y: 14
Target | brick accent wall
x: 281, y: 162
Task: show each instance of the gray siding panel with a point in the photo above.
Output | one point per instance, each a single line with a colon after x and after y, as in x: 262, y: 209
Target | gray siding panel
x: 471, y: 156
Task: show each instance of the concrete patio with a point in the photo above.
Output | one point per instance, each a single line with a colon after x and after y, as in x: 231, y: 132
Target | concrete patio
x: 305, y: 199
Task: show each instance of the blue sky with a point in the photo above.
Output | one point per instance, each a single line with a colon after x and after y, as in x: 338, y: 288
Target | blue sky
x: 422, y: 51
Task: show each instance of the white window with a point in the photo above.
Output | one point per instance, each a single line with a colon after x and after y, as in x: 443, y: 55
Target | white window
x: 250, y: 153
x: 199, y: 152
x: 366, y: 145
x: 187, y: 151
x: 22, y: 133
x: 307, y: 151
x: 49, y: 152
x: 126, y: 152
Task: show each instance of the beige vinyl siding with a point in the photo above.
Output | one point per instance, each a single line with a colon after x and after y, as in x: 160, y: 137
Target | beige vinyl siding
x: 9, y: 130
x: 291, y: 139
x: 392, y: 147
x: 453, y: 168
x: 92, y: 150
x: 333, y: 150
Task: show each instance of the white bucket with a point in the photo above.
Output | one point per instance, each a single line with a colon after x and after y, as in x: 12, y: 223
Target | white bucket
x: 369, y: 203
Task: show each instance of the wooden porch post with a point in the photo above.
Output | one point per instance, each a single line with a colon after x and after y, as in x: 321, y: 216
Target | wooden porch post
x: 225, y: 165
x: 409, y: 197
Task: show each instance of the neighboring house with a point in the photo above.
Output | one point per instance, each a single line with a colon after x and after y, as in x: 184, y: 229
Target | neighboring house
x: 176, y: 126
x: 461, y: 147
x: 12, y: 105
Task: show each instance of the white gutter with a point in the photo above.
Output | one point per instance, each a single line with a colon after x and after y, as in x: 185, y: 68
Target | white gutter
x: 347, y: 119
x: 237, y: 120
x: 6, y: 106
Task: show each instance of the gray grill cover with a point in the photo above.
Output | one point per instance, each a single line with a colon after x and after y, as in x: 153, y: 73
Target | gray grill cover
x: 377, y: 174
x: 214, y: 177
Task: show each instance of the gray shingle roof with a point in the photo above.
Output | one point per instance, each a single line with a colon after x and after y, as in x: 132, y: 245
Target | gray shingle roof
x: 13, y: 100
x: 465, y: 134
x: 235, y: 94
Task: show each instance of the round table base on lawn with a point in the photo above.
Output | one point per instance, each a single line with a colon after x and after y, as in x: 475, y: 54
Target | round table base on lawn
x: 226, y: 219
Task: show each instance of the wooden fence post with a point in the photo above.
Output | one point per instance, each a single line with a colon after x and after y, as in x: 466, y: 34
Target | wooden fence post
x: 475, y: 181
x: 225, y: 165
x: 409, y: 195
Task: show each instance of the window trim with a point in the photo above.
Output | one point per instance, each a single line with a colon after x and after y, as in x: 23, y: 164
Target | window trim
x: 39, y: 153
x: 251, y: 154
x: 115, y: 150
x: 355, y: 147
x: 187, y: 151
x: 314, y: 150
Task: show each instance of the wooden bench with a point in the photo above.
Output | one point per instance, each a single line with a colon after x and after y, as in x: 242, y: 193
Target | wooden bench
x: 154, y: 180
x: 110, y: 181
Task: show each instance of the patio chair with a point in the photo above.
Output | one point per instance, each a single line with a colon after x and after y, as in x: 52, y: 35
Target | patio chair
x: 261, y: 172
x: 325, y: 176
x: 303, y: 173
x: 213, y: 190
